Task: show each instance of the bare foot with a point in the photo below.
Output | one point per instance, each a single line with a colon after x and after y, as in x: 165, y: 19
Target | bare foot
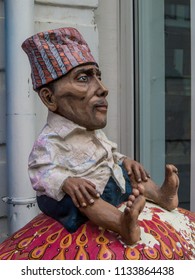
x: 130, y: 230
x: 137, y: 190
x: 168, y: 193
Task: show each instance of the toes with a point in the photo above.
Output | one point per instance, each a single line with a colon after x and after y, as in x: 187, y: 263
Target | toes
x: 131, y: 198
x: 171, y: 171
x: 135, y: 192
x: 129, y: 203
x: 127, y: 210
x: 168, y: 169
x: 135, y: 203
x: 141, y: 189
x: 171, y: 168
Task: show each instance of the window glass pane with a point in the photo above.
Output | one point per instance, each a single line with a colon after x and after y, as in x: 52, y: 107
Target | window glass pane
x: 178, y: 91
x: 163, y: 89
x: 150, y: 87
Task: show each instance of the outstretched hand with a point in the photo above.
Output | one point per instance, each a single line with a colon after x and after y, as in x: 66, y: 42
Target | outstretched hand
x: 82, y: 191
x: 135, y: 170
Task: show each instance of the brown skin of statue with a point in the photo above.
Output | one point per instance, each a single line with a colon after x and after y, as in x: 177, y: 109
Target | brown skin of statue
x: 80, y: 96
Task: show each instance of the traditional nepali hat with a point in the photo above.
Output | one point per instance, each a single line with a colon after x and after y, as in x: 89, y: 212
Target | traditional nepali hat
x: 54, y: 53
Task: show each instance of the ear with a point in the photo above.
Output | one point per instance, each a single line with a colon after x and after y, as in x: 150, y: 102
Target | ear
x: 48, y: 98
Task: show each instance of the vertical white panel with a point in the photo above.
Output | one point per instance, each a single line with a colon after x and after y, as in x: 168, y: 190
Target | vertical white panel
x: 20, y: 113
x: 126, y: 78
x: 151, y: 86
x: 107, y: 21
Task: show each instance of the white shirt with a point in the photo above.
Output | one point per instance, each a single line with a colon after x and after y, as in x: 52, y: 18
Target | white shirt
x: 64, y: 149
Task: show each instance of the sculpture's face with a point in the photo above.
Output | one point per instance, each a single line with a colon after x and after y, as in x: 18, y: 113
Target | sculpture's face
x: 80, y: 96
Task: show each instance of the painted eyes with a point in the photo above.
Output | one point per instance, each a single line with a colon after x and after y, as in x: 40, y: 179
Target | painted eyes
x: 85, y: 78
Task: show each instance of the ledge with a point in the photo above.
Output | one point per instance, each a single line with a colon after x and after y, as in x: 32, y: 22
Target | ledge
x: 73, y: 3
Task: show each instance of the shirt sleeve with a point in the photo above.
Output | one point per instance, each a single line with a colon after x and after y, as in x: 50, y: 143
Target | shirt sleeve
x: 118, y: 157
x: 46, y: 174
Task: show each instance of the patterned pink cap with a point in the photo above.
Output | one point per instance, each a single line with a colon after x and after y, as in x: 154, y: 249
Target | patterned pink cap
x: 54, y: 53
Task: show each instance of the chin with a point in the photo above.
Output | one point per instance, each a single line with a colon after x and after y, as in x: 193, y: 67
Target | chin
x: 96, y: 126
x: 102, y: 125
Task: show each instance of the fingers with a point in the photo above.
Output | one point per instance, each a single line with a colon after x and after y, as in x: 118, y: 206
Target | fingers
x: 139, y: 173
x: 82, y: 191
x: 75, y: 201
x: 135, y: 170
x: 84, y: 195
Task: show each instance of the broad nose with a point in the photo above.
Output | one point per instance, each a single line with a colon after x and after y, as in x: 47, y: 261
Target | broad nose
x: 102, y: 90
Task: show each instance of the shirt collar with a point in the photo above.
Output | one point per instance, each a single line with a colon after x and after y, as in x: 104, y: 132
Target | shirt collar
x: 61, y: 125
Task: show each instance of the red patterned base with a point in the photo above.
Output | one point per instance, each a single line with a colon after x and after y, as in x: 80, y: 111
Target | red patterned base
x: 164, y: 236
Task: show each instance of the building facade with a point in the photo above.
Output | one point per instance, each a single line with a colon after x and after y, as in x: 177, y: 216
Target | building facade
x: 144, y: 49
